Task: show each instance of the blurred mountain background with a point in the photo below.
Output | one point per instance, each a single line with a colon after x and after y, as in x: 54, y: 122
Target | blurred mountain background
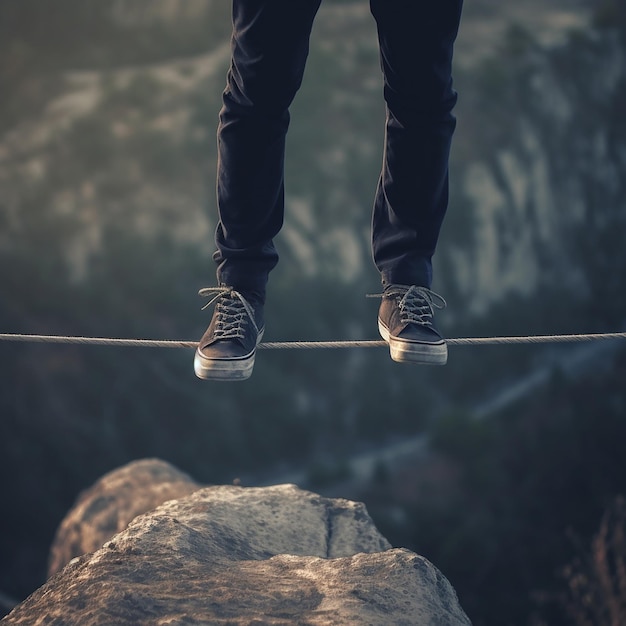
x: 498, y: 467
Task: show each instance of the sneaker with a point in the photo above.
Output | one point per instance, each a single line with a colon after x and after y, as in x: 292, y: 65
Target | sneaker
x: 405, y: 322
x: 228, y: 347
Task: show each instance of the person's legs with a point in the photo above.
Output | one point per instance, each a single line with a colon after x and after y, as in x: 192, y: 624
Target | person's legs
x: 270, y: 43
x: 416, y: 43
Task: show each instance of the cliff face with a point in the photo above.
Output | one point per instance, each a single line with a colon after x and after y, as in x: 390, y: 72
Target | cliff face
x: 232, y: 555
x: 134, y: 145
x: 537, y: 151
x: 545, y: 177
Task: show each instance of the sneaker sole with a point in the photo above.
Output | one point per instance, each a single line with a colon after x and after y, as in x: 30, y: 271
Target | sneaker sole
x: 413, y: 351
x: 225, y: 369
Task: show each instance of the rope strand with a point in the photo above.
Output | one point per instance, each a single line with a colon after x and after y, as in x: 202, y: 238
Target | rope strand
x: 286, y: 345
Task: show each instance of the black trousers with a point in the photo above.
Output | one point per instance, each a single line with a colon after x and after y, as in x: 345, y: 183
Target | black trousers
x: 270, y: 44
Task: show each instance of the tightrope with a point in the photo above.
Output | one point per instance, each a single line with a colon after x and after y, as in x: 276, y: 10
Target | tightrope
x: 308, y: 345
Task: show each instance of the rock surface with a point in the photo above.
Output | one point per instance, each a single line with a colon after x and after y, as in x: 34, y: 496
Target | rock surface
x: 111, y: 503
x: 234, y: 555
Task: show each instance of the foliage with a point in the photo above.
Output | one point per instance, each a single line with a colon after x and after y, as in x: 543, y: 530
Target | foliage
x: 497, y: 502
x: 597, y: 581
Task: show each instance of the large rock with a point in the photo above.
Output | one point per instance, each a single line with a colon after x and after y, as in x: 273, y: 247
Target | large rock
x: 112, y: 503
x: 234, y: 555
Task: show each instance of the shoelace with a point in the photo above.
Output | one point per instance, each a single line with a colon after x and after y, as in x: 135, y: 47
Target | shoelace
x: 417, y: 304
x: 232, y: 309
